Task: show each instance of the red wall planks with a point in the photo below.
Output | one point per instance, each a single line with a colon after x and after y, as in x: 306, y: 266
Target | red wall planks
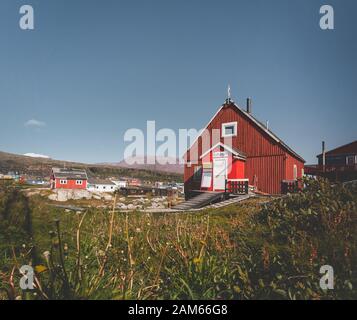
x: 289, y: 168
x: 266, y: 173
x: 71, y: 184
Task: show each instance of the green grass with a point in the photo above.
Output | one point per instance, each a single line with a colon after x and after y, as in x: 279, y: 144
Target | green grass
x: 245, y: 251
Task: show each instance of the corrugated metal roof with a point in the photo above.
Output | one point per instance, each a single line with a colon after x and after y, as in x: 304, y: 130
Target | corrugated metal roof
x: 64, y: 173
x: 100, y: 181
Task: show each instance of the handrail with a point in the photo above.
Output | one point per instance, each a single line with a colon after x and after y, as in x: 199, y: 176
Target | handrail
x: 237, y: 186
x: 290, y: 186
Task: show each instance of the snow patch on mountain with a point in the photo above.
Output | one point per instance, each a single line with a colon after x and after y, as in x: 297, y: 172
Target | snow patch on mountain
x: 35, y: 155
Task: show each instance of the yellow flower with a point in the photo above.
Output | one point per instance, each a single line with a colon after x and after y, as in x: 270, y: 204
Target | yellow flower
x: 40, y: 268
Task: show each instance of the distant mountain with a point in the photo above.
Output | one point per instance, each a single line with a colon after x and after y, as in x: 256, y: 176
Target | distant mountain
x: 41, y: 167
x: 150, y: 163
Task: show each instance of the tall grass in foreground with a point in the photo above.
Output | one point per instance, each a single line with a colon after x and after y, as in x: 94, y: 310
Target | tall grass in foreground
x: 248, y: 251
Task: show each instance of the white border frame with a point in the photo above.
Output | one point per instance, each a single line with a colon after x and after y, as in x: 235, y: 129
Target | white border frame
x: 234, y: 124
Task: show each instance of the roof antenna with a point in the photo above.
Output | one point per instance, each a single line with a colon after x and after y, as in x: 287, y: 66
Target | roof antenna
x: 229, y: 92
x: 267, y: 125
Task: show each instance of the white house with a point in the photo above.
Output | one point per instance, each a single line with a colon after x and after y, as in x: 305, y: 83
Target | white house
x: 100, y: 185
x: 120, y: 183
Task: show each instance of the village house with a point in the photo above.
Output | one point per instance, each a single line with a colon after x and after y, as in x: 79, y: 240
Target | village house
x: 134, y: 182
x: 5, y: 177
x: 36, y: 181
x: 253, y: 155
x: 344, y: 156
x: 11, y: 175
x: 339, y: 164
x: 63, y: 178
x: 101, y: 185
x: 14, y: 175
x: 120, y: 183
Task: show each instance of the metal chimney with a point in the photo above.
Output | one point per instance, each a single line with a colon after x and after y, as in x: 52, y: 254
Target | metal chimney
x: 323, y: 155
x: 249, y: 105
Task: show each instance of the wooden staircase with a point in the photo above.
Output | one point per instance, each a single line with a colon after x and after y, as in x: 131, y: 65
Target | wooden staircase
x: 231, y: 201
x: 201, y: 200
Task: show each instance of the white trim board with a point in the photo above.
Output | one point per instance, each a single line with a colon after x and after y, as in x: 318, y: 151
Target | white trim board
x: 224, y: 146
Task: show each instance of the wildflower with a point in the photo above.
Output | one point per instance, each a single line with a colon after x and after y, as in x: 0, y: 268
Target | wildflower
x: 40, y: 268
x: 47, y: 254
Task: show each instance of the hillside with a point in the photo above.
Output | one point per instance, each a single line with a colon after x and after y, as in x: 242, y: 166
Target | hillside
x: 156, y: 165
x: 42, y: 167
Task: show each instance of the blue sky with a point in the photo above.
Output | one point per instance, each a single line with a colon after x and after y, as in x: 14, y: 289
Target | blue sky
x: 93, y: 69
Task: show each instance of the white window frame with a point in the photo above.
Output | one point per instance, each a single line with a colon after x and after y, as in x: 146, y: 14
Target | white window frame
x: 63, y: 181
x: 295, y: 171
x: 79, y: 182
x: 229, y: 124
x: 349, y: 157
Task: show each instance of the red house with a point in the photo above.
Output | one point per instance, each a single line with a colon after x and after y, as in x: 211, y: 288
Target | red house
x: 68, y: 178
x: 240, y: 148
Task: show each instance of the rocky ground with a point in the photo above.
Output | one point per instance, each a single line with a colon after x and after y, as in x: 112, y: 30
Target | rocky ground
x: 84, y: 198
x: 142, y: 203
x: 63, y: 195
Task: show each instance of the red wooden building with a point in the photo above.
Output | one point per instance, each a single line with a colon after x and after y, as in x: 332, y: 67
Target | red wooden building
x: 243, y: 149
x: 68, y: 178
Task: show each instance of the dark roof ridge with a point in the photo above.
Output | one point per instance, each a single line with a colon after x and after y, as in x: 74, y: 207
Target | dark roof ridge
x: 332, y: 150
